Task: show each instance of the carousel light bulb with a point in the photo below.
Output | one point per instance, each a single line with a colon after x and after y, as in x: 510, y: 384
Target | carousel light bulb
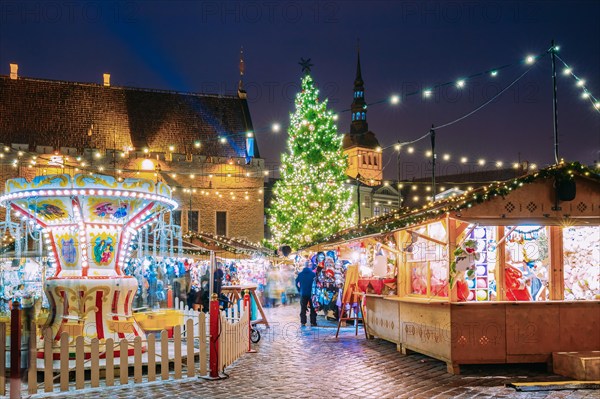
x: 597, y: 105
x: 494, y: 73
x: 460, y: 84
x: 395, y: 99
x: 530, y: 59
x: 481, y: 162
x: 463, y: 160
x: 585, y: 94
x: 446, y: 157
x: 580, y: 82
x: 567, y: 71
x: 427, y: 93
x: 276, y: 127
x: 410, y: 150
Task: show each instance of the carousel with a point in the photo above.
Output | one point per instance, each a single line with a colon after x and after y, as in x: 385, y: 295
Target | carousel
x: 89, y: 226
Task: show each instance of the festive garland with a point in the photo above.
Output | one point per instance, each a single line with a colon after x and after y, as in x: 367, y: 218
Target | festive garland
x: 233, y: 245
x: 402, y: 218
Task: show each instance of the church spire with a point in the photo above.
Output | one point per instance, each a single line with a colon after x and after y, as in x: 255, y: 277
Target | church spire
x: 242, y: 66
x: 359, y: 106
x: 358, y: 81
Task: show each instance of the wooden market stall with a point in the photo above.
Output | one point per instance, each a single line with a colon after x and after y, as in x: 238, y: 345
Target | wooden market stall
x: 508, y: 273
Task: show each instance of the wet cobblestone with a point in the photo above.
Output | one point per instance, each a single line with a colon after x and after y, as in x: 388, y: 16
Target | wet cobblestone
x: 295, y: 362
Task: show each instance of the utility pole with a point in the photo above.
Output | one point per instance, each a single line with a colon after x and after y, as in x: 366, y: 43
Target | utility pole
x: 432, y: 136
x: 554, y: 100
x: 398, y: 182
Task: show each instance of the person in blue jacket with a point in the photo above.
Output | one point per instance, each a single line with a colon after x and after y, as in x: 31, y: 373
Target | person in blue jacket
x: 304, y: 283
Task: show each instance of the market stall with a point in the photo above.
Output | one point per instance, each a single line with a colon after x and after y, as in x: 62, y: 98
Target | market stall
x: 508, y: 273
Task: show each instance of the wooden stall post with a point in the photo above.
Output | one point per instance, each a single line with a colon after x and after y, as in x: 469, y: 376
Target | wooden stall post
x: 500, y: 264
x: 557, y: 280
x: 452, y: 241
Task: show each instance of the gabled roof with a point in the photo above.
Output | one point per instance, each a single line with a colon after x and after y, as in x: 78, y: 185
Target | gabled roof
x: 365, y: 140
x: 85, y: 115
x: 470, y: 199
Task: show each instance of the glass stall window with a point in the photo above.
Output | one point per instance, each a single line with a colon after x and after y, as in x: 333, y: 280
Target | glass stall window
x: 581, y: 252
x: 479, y: 280
x: 526, y: 271
x: 428, y: 260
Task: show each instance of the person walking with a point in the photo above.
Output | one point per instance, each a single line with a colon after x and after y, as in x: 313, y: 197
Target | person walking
x: 304, y: 283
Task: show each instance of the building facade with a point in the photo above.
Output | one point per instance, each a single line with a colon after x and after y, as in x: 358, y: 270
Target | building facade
x: 202, y: 145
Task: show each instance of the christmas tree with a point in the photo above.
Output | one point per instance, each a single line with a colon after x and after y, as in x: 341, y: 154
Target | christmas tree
x: 310, y: 200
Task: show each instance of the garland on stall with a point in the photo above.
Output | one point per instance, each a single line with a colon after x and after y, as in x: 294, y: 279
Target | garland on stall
x: 401, y: 219
x: 233, y: 245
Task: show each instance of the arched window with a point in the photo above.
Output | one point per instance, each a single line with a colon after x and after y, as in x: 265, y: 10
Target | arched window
x: 364, y: 116
x: 353, y: 116
x: 375, y: 160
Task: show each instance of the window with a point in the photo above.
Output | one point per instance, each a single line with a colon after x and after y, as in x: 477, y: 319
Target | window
x: 353, y: 116
x: 176, y: 218
x: 193, y: 220
x: 375, y: 160
x: 364, y: 116
x: 427, y: 260
x: 527, y: 268
x: 221, y: 223
x: 479, y: 280
x: 376, y: 211
x: 581, y: 246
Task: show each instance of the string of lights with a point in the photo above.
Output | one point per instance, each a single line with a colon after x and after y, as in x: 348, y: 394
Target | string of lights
x: 580, y: 82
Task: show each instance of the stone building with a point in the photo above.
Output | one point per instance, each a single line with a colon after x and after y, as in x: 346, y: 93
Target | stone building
x: 202, y: 145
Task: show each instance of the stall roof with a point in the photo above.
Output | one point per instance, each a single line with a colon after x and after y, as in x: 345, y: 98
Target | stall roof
x: 526, y: 199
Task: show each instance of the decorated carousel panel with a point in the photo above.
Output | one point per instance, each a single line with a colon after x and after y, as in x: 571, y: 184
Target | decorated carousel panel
x: 88, y: 224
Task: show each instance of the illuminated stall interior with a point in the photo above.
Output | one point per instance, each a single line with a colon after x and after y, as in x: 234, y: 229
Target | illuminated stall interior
x: 502, y: 274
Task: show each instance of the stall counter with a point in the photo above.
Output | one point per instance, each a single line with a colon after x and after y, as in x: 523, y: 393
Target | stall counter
x: 475, y: 333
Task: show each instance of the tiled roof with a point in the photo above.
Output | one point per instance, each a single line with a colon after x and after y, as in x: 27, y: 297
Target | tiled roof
x: 365, y: 140
x: 60, y: 114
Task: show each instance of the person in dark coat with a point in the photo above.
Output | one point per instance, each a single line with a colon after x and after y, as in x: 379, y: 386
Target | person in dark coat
x: 304, y: 283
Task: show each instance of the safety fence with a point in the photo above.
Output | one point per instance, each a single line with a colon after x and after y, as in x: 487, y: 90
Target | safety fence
x: 75, y: 363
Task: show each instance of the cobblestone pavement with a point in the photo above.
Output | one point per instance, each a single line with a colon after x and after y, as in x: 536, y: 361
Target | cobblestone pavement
x: 294, y: 362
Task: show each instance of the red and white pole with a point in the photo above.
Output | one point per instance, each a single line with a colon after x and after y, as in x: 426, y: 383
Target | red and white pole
x: 215, y: 315
x: 249, y: 315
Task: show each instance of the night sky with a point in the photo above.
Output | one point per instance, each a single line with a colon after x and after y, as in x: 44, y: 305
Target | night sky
x: 405, y: 47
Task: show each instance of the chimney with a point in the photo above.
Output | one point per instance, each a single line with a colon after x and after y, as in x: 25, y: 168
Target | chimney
x: 107, y: 79
x: 13, y: 71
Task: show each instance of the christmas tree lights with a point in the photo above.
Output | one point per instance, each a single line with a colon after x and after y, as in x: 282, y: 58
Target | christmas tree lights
x: 310, y: 200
